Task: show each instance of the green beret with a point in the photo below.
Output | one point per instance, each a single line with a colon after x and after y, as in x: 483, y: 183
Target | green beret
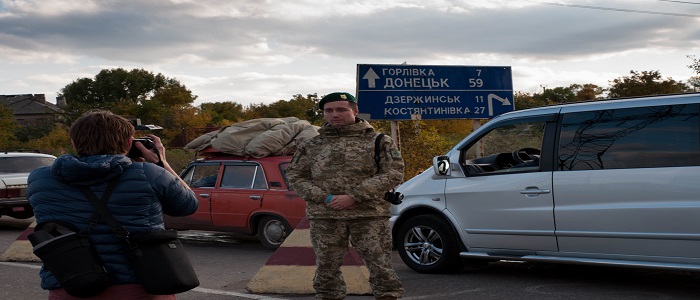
x: 337, y: 96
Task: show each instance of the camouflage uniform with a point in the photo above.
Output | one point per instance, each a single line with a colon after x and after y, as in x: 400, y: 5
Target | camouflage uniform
x: 340, y: 160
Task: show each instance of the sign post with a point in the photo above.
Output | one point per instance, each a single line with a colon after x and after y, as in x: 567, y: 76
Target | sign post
x: 415, y: 92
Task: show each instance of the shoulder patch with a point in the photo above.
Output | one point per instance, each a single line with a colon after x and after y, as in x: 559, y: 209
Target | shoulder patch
x: 395, y: 154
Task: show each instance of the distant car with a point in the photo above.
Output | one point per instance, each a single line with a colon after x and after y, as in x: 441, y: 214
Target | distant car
x: 613, y: 182
x: 14, y: 170
x: 242, y: 195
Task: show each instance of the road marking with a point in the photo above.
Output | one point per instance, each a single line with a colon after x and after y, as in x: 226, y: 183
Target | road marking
x: 228, y: 293
x: 21, y: 265
x: 198, y: 289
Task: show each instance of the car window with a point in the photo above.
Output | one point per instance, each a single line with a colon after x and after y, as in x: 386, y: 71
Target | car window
x: 513, y: 147
x: 243, y: 176
x: 283, y: 170
x: 23, y: 164
x: 202, y: 175
x: 647, y: 137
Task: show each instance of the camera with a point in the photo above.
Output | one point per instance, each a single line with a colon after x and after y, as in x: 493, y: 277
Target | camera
x: 146, y: 141
x: 393, y: 197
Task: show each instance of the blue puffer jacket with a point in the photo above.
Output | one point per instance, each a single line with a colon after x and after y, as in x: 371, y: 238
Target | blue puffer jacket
x: 145, y: 191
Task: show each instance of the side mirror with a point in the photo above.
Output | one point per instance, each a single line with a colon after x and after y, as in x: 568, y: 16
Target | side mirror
x: 441, y: 165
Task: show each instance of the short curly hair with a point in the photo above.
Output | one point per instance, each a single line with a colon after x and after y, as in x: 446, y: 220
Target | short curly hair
x: 101, y: 132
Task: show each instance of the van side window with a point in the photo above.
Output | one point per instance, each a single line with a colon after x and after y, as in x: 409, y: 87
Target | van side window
x: 202, y: 175
x: 508, y: 148
x: 646, y: 137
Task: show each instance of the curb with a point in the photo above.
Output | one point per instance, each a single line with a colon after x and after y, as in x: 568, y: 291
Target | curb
x: 290, y: 270
x: 21, y: 249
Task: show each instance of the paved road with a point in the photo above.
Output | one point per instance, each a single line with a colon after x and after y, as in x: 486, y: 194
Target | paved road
x: 226, y: 263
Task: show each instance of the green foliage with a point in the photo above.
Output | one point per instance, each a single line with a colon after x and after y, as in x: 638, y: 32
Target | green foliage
x: 179, y: 158
x: 587, y: 92
x: 644, y: 83
x: 136, y: 94
x: 694, y: 83
x: 298, y: 106
x: 8, y: 126
x: 525, y: 100
x: 224, y: 113
x: 56, y: 142
x: 28, y: 133
x: 556, y: 95
x: 419, y: 142
x: 153, y: 98
x: 425, y: 143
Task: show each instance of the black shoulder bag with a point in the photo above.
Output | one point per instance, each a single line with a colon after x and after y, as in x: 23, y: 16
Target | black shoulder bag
x: 70, y: 257
x: 158, y: 258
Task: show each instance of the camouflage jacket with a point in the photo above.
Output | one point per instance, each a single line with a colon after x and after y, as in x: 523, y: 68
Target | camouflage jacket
x: 341, y: 161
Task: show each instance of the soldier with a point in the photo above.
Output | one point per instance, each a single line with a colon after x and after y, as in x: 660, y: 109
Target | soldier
x: 335, y: 172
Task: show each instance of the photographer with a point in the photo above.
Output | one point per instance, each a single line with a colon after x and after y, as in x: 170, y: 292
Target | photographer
x: 144, y: 193
x: 344, y: 188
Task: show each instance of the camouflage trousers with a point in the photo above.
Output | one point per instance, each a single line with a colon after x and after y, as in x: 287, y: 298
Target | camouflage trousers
x: 370, y: 237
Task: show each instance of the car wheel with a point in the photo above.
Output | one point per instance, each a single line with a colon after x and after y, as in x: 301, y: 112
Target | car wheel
x: 427, y: 244
x: 272, y: 231
x: 26, y: 214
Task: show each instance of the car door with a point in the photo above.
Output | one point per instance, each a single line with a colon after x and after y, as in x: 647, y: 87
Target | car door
x: 628, y: 183
x: 239, y: 194
x: 201, y: 177
x: 505, y: 201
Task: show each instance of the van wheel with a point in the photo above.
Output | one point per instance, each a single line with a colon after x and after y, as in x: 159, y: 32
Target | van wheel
x: 427, y: 244
x: 272, y: 231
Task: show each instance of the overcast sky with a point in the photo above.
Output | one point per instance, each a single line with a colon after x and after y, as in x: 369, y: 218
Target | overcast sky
x: 261, y: 51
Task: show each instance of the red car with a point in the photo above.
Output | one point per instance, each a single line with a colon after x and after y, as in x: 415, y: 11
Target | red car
x: 242, y: 195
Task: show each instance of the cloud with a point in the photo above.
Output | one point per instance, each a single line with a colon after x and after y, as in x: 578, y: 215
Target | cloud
x: 251, y: 49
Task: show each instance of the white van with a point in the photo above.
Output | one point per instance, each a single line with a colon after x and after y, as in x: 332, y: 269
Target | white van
x: 613, y: 182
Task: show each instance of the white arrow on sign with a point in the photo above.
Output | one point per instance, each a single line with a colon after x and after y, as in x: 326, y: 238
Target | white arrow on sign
x: 503, y: 101
x: 371, y: 76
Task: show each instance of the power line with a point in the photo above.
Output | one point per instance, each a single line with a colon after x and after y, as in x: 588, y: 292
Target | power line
x: 684, y: 2
x: 625, y: 10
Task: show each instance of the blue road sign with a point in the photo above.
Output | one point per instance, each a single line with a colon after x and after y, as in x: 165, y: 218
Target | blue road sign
x: 406, y: 92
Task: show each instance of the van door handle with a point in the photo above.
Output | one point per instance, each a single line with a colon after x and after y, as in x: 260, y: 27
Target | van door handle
x: 535, y: 191
x: 255, y: 197
x: 204, y: 195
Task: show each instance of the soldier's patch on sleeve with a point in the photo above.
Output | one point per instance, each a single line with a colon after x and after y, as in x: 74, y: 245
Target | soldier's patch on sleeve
x: 395, y: 154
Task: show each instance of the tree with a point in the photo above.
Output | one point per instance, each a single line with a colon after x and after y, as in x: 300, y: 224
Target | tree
x: 298, y: 107
x: 224, y: 113
x: 643, y: 84
x: 451, y: 131
x: 56, y: 142
x: 153, y: 98
x: 695, y: 65
x: 525, y: 100
x: 587, y: 91
x: 694, y: 83
x: 556, y: 95
x: 8, y: 126
x: 126, y: 93
x: 419, y: 142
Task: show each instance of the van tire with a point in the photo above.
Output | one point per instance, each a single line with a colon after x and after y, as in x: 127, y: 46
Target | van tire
x: 428, y: 244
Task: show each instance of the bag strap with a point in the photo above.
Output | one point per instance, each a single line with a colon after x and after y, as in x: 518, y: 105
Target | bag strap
x: 377, y: 152
x: 101, y: 208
